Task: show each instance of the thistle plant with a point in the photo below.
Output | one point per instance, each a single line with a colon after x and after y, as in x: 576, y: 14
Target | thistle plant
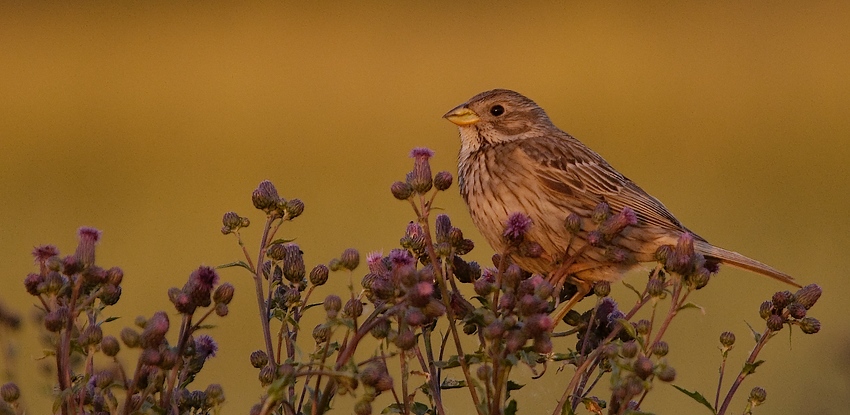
x: 407, y: 326
x: 74, y: 294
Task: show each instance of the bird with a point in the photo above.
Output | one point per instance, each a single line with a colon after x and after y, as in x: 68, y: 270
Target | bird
x: 513, y: 159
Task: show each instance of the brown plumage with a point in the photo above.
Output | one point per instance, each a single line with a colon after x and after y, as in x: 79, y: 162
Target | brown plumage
x: 513, y: 159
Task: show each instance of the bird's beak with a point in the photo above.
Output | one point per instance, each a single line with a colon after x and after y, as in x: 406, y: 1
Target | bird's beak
x: 461, y: 115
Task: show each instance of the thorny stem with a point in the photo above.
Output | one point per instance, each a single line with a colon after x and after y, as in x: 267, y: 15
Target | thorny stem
x: 441, y: 282
x: 434, y: 381
x: 675, y: 305
x: 720, y: 380
x: 768, y: 333
x: 258, y: 283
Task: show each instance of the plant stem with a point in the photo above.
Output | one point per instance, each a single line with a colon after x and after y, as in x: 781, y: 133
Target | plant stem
x: 744, y: 371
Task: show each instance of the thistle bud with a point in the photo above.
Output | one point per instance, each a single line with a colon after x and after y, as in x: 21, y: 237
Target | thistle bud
x: 319, y: 275
x: 810, y: 325
x: 321, y: 333
x: 630, y: 349
x: 602, y: 288
x: 55, y: 320
x: 443, y: 180
x: 155, y: 329
x: 642, y: 367
x: 667, y: 374
x: 808, y: 295
x: 405, y: 339
x: 401, y: 190
x: 114, y: 276
x: 655, y: 287
x: 796, y: 310
x: 130, y: 337
x: 353, y: 308
x: 775, y: 322
x: 259, y: 359
x: 381, y: 329
x: 421, y: 178
x: 420, y: 294
x: 660, y: 349
x: 572, y: 223
x: 85, y: 249
x: 350, y: 259
x: 483, y: 286
x: 600, y: 213
x: 293, y: 264
x: 643, y: 327
x: 110, y: 346
x: 224, y: 293
x: 10, y: 393
x: 758, y: 395
x: 265, y: 197
x: 230, y: 221
x: 727, y: 339
x: 766, y: 309
x: 32, y: 282
x: 781, y: 299
x: 293, y: 208
x: 614, y: 225
x: 91, y: 335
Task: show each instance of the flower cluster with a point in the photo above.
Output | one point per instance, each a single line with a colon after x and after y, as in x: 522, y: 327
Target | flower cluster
x: 73, y: 292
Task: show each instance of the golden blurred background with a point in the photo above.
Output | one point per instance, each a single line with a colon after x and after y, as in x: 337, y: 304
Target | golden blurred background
x: 150, y: 120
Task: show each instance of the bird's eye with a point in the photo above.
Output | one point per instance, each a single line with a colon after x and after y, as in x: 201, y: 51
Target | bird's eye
x: 497, y: 110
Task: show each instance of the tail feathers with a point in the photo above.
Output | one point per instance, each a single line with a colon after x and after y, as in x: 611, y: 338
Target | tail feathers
x: 740, y: 261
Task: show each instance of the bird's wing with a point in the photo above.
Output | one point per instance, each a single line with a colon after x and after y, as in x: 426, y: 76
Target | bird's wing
x: 568, y: 169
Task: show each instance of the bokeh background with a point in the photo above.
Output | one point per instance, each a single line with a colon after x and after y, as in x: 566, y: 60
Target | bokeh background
x: 149, y: 121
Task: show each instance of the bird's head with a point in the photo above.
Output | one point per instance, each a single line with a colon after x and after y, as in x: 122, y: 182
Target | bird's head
x: 497, y: 116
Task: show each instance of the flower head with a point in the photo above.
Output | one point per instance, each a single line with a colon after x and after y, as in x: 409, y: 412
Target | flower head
x: 516, y: 227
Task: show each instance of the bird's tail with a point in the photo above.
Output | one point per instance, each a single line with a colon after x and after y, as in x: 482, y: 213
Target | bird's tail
x: 740, y: 261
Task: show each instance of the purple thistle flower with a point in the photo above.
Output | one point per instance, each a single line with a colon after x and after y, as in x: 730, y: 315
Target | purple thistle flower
x: 401, y: 258
x: 375, y: 262
x: 85, y: 249
x: 421, y: 153
x: 44, y: 252
x: 516, y: 227
x: 205, y: 346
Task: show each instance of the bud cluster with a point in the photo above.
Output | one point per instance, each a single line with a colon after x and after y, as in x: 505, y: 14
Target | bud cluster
x: 420, y: 180
x: 266, y: 198
x: 682, y: 259
x: 792, y: 308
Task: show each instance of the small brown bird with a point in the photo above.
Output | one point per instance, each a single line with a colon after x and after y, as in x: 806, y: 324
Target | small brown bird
x: 514, y: 160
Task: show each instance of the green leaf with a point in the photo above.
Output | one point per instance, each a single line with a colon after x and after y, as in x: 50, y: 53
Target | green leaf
x: 448, y: 364
x: 697, y: 397
x: 631, y: 287
x: 756, y: 335
x: 108, y: 319
x: 309, y: 306
x: 627, y: 326
x: 692, y: 305
x: 750, y: 368
x: 242, y: 264
x: 419, y: 408
x: 281, y: 241
x: 392, y: 409
x: 512, y: 386
x: 511, y: 408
